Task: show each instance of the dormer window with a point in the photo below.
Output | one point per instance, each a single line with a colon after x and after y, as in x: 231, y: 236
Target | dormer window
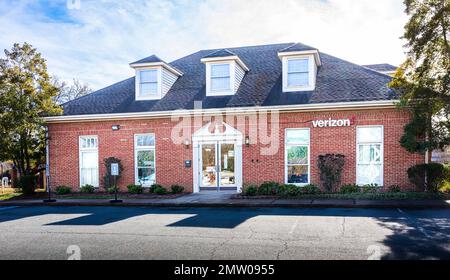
x: 220, y: 77
x: 154, y: 78
x: 300, y: 66
x: 298, y: 72
x: 224, y: 73
x: 148, y: 80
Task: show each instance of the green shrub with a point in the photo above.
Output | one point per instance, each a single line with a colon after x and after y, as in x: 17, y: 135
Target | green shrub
x: 250, y: 190
x: 61, y: 190
x: 268, y: 188
x: 176, y: 189
x: 135, y: 189
x: 370, y: 188
x: 154, y: 187
x: 288, y: 190
x: 394, y: 189
x: 87, y: 189
x: 350, y: 188
x: 310, y: 189
x: 28, y: 184
x: 435, y: 174
x: 160, y: 190
x: 112, y: 190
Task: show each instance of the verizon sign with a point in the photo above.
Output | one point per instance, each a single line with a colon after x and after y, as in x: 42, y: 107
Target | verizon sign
x: 333, y: 123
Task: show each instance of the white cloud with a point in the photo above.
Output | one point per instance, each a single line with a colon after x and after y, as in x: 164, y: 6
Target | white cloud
x: 96, y: 43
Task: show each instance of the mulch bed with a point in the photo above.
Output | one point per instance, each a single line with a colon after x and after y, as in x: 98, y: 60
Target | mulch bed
x: 120, y: 195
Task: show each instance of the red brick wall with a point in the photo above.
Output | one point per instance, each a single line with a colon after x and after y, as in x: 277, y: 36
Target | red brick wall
x: 64, y: 166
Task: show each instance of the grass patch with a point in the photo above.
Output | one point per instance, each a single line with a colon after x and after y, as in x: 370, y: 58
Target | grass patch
x: 9, y: 195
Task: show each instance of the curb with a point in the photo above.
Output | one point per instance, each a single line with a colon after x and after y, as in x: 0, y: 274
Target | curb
x: 274, y: 204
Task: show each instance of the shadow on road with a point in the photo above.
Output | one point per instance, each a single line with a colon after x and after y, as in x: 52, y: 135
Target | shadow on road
x: 415, y: 234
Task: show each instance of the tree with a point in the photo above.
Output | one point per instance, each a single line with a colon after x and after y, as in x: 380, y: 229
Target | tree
x: 423, y: 79
x: 69, y: 92
x: 26, y: 94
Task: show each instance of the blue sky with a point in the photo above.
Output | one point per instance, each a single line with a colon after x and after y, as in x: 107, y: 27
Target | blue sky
x: 95, y: 40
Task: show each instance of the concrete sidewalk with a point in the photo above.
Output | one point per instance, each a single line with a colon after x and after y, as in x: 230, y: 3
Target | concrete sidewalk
x: 226, y: 199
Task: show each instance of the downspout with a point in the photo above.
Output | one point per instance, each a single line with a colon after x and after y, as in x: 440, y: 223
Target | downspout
x: 47, y: 161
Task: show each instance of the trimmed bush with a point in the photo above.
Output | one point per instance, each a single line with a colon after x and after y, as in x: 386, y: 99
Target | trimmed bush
x: 87, y: 189
x: 61, y: 190
x: 371, y: 188
x: 289, y: 190
x: 331, y: 166
x: 310, y: 189
x: 176, y: 189
x: 268, y: 188
x: 434, y: 173
x: 350, y: 188
x: 135, y: 189
x: 160, y: 190
x: 394, y: 189
x: 28, y: 184
x: 250, y: 190
x: 112, y: 190
x: 154, y: 187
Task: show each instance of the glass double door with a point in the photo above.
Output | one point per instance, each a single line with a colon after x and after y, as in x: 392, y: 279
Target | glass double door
x: 218, y: 163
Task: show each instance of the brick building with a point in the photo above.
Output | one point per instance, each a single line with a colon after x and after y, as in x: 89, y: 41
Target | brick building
x: 218, y: 119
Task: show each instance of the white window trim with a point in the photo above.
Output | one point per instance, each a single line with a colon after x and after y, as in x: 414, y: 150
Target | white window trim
x: 143, y: 148
x: 81, y: 150
x: 231, y: 91
x: 368, y: 143
x: 286, y: 145
x: 138, y: 83
x: 311, y: 71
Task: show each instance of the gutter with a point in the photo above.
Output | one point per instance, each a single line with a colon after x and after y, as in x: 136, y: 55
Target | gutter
x: 340, y: 106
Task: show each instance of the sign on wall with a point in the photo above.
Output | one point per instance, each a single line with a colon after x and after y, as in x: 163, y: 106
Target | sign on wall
x: 333, y: 123
x: 114, y: 169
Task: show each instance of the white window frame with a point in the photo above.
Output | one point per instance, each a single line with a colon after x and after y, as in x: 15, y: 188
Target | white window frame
x: 311, y: 73
x: 370, y: 143
x: 81, y: 150
x: 138, y: 83
x: 286, y: 146
x: 230, y: 91
x: 143, y: 148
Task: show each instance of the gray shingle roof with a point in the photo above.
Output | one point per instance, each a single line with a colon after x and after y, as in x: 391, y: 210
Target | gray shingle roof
x: 383, y: 67
x: 297, y: 47
x: 150, y: 59
x: 337, y: 81
x: 220, y: 53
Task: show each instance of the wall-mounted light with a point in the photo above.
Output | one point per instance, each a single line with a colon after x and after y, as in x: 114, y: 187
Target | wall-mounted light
x: 186, y: 143
x: 115, y: 127
x: 247, y: 141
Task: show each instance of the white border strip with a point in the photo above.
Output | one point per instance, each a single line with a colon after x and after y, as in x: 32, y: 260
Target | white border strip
x: 239, y: 110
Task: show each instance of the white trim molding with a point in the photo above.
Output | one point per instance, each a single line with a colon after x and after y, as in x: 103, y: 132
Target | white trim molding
x: 338, y: 106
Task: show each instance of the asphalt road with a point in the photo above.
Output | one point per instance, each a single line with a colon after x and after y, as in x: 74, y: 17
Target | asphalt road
x: 228, y: 233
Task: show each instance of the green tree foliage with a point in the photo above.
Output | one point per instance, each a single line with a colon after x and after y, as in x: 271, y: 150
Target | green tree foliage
x: 423, y: 79
x: 26, y: 94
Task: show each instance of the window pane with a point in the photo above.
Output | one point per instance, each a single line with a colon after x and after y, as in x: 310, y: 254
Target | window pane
x: 89, y: 160
x: 297, y: 136
x: 149, y: 76
x: 298, y: 174
x: 369, y: 174
x: 370, y: 134
x: 298, y: 79
x: 369, y: 153
x: 220, y: 84
x: 146, y: 158
x: 297, y: 155
x: 145, y: 140
x: 146, y: 176
x: 297, y: 65
x: 149, y: 89
x: 222, y: 70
